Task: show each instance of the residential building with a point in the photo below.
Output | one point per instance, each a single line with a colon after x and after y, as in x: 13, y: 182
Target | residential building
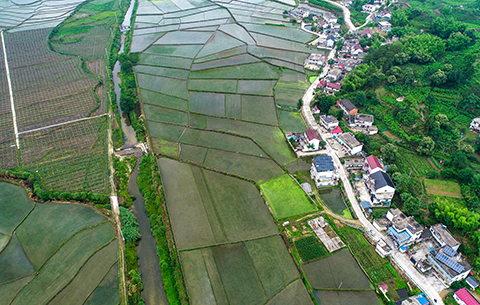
x: 335, y: 25
x: 314, y: 62
x: 475, y: 125
x: 381, y: 224
x: 449, y: 265
x: 349, y: 143
x: 323, y: 24
x: 329, y: 18
x: 463, y: 297
x: 329, y: 121
x: 471, y: 282
x: 384, y: 26
x: 330, y: 42
x: 415, y: 300
x: 313, y: 141
x: 334, y: 74
x: 383, y: 248
x: 379, y: 2
x: 331, y: 88
x: 385, y: 15
x: 367, y: 32
x: 300, y: 12
x: 369, y: 8
x: 323, y: 171
x: 360, y: 120
x: 381, y: 188
x: 404, y: 230
x: 373, y: 165
x: 354, y: 162
x: 356, y: 49
x: 367, y: 208
x: 444, y: 237
x: 347, y: 106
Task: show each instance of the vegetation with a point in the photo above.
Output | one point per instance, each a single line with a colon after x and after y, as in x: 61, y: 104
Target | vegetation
x: 123, y: 170
x: 310, y: 248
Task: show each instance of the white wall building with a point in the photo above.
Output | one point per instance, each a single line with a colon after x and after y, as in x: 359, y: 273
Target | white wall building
x: 323, y: 171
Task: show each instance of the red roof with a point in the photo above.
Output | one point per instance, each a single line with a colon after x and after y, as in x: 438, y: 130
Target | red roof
x: 334, y: 86
x: 384, y: 287
x: 367, y: 31
x: 341, y: 65
x: 337, y: 130
x: 373, y: 162
x: 311, y: 134
x: 466, y: 297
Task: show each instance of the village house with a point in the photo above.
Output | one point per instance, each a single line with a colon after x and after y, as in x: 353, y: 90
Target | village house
x: 363, y: 123
x: 313, y: 140
x: 356, y: 49
x: 304, y: 142
x: 475, y: 125
x: 334, y: 74
x: 463, y: 297
x: 314, y: 62
x: 381, y: 188
x: 383, y: 248
x: 347, y: 106
x: 335, y: 25
x: 369, y: 8
x: 471, y: 282
x: 384, y: 26
x: 331, y: 88
x: 384, y: 15
x: 366, y: 32
x: 373, y: 165
x: 415, y: 300
x: 300, y: 13
x: 379, y: 2
x: 323, y: 171
x: 330, y: 42
x: 449, y: 264
x: 329, y: 121
x: 381, y: 224
x: 444, y: 237
x: 354, y: 162
x: 329, y: 18
x: 404, y: 230
x: 349, y: 143
x: 323, y: 24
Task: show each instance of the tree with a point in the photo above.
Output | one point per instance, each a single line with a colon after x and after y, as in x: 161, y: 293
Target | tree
x: 411, y: 204
x: 427, y: 146
x: 466, y: 148
x: 331, y: 61
x: 129, y: 226
x: 361, y: 98
x: 389, y: 152
x: 439, y: 77
x: 300, y: 103
x: 402, y: 58
x: 392, y: 79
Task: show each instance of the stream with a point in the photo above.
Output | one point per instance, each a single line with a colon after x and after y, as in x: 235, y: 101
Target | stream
x: 148, y: 263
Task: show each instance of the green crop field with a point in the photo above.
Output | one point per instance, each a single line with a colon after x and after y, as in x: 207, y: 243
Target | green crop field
x: 325, y: 297
x: 208, y: 208
x: 286, y: 198
x: 442, y: 188
x: 291, y: 121
x: 337, y: 270
x: 243, y: 273
x: 310, y: 248
x: 59, y: 254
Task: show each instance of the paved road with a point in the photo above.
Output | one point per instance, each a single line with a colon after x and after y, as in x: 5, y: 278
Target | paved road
x: 400, y: 258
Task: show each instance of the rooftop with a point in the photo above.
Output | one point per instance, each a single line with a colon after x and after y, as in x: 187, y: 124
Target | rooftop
x: 472, y: 282
x: 402, y: 222
x: 364, y: 117
x: 311, y: 134
x: 347, y: 104
x: 373, y: 162
x: 330, y: 119
x: 445, y: 235
x: 382, y: 179
x: 366, y: 31
x: 323, y: 163
x: 349, y: 139
x: 401, y: 237
x: 334, y: 86
x: 466, y: 297
x: 335, y: 72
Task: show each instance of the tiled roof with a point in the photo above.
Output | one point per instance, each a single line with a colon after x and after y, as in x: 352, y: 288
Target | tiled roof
x: 466, y: 297
x: 373, y: 162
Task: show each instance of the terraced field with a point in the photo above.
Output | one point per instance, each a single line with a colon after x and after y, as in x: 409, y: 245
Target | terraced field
x: 55, y: 253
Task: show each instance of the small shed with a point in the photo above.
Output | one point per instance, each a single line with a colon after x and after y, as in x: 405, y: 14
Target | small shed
x: 472, y: 283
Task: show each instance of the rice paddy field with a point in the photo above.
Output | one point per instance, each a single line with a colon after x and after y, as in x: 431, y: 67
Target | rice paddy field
x: 61, y: 129
x: 325, y: 297
x: 230, y: 248
x: 55, y: 253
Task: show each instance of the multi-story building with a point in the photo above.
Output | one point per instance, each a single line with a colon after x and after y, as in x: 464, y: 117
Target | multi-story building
x: 347, y: 106
x: 373, y: 165
x: 444, y: 237
x: 323, y: 171
x: 381, y: 188
x: 404, y: 230
x: 349, y: 143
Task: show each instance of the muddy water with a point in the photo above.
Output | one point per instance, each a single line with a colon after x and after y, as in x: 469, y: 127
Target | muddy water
x: 333, y: 199
x: 148, y: 265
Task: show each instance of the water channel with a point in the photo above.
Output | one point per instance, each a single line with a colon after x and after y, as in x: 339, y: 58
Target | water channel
x: 148, y: 263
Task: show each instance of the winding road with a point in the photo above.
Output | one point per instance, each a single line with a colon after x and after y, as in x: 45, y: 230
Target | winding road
x: 401, y: 259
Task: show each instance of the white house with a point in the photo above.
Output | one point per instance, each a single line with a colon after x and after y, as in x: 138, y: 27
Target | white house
x: 329, y: 18
x: 360, y: 120
x: 449, y: 265
x: 323, y: 171
x: 463, y: 297
x: 349, y: 142
x: 379, y: 2
x: 475, y: 125
x: 381, y: 188
x: 334, y: 74
x: 313, y: 141
x: 300, y: 12
x: 373, y: 165
x: 444, y: 237
x: 356, y: 49
x: 383, y: 248
x: 329, y: 121
x: 369, y: 8
x: 330, y: 41
x: 404, y: 230
x: 384, y: 26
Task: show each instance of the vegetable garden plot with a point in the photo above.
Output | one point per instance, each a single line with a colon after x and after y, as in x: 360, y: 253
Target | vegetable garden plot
x: 165, y: 131
x: 187, y: 51
x: 158, y: 99
x: 193, y: 153
x: 238, y: 32
x: 213, y: 85
x: 277, y: 43
x: 261, y: 71
x: 165, y: 115
x: 205, y: 25
x: 8, y: 149
x: 141, y: 42
x: 208, y: 103
x: 73, y: 152
x: 210, y: 139
x: 168, y: 86
x: 255, y: 168
x: 161, y: 146
x: 165, y: 61
x: 207, y: 208
x: 287, y: 56
x: 224, y: 62
x: 338, y: 268
x: 283, y: 33
x: 13, y: 262
x: 10, y: 290
x: 286, y: 198
x: 259, y: 109
x: 233, y: 106
x: 216, y: 13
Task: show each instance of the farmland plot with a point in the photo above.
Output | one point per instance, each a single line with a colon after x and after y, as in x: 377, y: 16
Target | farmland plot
x: 65, y: 265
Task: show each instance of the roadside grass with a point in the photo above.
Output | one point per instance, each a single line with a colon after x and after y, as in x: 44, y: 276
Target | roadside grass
x: 442, y: 188
x: 285, y: 197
